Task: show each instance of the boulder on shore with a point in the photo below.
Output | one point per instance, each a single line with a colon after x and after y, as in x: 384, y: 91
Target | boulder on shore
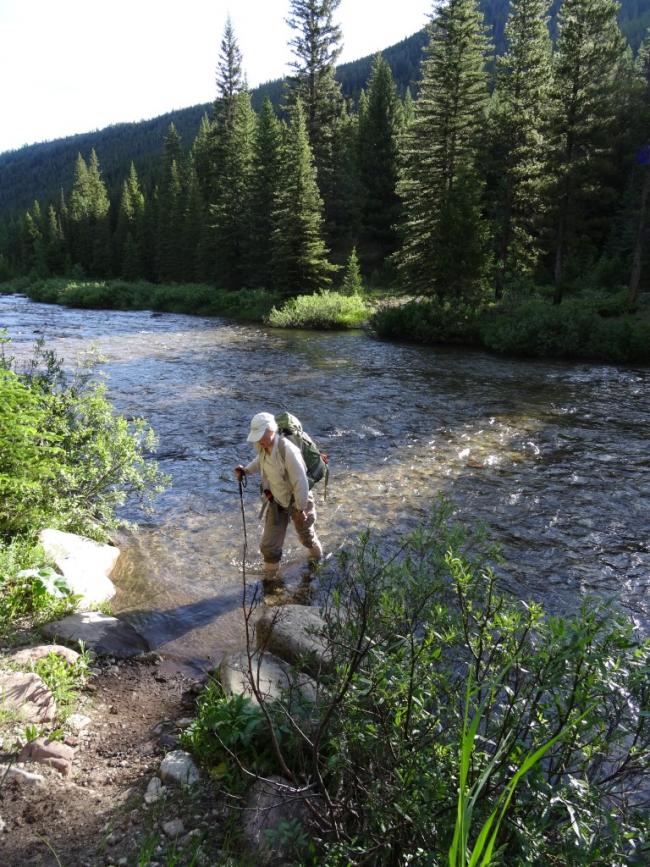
x: 27, y: 696
x: 104, y: 635
x: 46, y: 752
x: 178, y: 767
x: 84, y: 563
x: 295, y: 634
x: 271, y: 803
x: 274, y: 678
x: 32, y: 654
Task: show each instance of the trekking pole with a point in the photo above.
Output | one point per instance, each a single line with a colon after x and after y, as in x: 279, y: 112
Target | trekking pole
x: 242, y: 485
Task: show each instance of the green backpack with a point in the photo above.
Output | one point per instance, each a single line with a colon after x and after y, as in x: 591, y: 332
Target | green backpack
x: 315, y: 461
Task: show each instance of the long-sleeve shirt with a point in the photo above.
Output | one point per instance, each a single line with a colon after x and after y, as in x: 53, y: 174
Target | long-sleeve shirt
x: 285, y: 478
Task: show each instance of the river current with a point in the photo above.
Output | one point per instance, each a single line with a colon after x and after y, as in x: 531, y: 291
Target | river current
x: 554, y: 457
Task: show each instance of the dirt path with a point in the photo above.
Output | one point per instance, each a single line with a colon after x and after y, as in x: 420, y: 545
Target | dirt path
x: 98, y: 815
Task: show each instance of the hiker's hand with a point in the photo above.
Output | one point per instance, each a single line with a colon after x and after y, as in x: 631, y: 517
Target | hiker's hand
x: 240, y: 472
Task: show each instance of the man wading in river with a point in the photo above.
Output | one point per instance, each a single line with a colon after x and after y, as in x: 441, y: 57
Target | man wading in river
x: 286, y: 488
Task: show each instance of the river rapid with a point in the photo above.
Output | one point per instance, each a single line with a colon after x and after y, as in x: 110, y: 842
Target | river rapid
x: 554, y: 457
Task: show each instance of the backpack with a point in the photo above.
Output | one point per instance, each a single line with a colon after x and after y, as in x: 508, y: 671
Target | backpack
x: 315, y: 461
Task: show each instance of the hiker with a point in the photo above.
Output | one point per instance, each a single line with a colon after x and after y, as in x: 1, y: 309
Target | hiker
x: 286, y: 488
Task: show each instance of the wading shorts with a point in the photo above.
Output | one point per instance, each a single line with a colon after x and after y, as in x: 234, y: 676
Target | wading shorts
x: 276, y: 521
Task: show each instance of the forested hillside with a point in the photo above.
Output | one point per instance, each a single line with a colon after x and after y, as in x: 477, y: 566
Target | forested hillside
x: 41, y: 170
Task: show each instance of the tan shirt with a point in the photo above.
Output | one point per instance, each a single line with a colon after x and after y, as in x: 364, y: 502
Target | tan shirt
x: 286, y: 479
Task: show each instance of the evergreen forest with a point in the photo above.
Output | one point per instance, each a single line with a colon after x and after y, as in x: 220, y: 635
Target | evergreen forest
x: 499, y: 175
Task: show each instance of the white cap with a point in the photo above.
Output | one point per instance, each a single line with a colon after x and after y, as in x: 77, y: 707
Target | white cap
x: 260, y: 423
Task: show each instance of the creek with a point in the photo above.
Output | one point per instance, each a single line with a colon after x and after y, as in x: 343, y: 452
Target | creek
x: 552, y: 456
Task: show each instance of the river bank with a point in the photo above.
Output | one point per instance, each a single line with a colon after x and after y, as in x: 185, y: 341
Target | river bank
x: 100, y: 813
x: 592, y: 326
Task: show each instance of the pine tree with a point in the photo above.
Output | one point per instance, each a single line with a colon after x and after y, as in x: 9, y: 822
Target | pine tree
x: 444, y: 234
x: 171, y: 209
x: 408, y: 110
x: 230, y: 78
x: 519, y: 133
x: 299, y: 259
x: 202, y: 185
x: 230, y: 160
x: 100, y: 263
x: 170, y: 225
x: 590, y: 49
x: 352, y: 283
x: 88, y: 214
x: 55, y: 243
x: 198, y: 261
x: 202, y: 158
x: 642, y: 103
x: 316, y: 47
x: 265, y: 173
x: 129, y: 231
x: 229, y: 212
x: 380, y: 121
x: 78, y: 215
x: 34, y: 244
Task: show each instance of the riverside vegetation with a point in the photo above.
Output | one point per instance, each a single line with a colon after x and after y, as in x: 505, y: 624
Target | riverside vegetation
x: 590, y: 326
x: 457, y: 726
x: 66, y: 461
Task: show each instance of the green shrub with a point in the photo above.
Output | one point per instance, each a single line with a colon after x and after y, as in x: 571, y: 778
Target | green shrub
x: 30, y: 592
x: 443, y: 684
x: 67, y: 459
x: 587, y: 328
x: 190, y: 298
x: 326, y: 310
x: 227, y: 725
x: 63, y: 679
x: 428, y: 321
x: 251, y: 305
x: 14, y: 286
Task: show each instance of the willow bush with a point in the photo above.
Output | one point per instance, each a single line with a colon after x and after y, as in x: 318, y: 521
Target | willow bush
x: 427, y: 648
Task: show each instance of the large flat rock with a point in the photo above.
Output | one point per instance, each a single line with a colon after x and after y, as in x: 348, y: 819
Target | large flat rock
x: 294, y: 633
x: 84, y: 563
x: 104, y: 635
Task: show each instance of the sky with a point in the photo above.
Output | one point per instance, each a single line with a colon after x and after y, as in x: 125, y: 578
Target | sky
x: 71, y: 66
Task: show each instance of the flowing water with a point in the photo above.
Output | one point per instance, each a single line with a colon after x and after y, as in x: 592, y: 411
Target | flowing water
x: 553, y: 456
